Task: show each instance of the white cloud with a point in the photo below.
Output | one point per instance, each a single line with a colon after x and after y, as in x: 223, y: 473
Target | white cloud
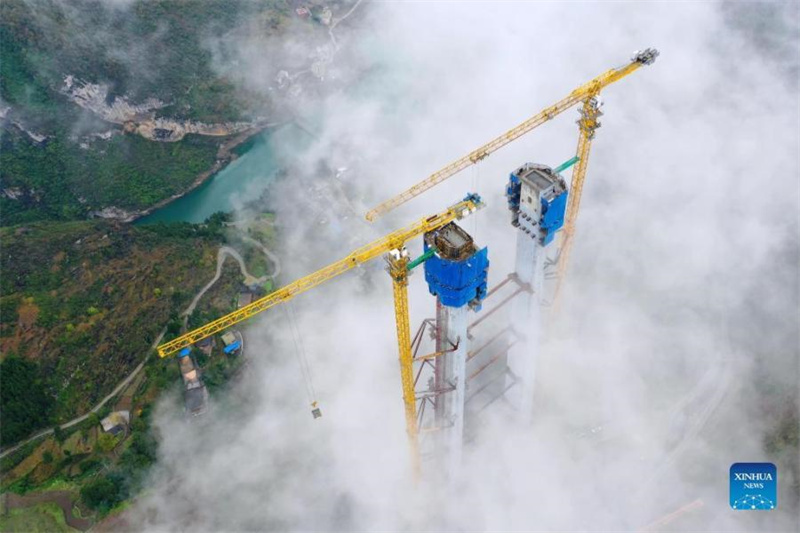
x: 686, y: 247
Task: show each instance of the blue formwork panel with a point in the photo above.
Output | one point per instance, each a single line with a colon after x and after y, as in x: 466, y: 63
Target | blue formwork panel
x: 513, y: 189
x: 553, y: 216
x: 458, y: 283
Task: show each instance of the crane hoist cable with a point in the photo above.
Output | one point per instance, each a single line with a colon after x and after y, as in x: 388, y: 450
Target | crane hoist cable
x: 302, y: 358
x: 584, y: 92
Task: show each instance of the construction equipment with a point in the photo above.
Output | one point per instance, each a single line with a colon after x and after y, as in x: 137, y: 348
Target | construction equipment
x: 584, y: 93
x: 392, y: 244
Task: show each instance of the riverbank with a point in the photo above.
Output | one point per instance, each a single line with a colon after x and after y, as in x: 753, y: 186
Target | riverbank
x: 262, y: 159
x: 226, y: 154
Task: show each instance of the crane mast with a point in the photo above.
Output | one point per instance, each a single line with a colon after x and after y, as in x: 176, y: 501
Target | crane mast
x: 588, y: 123
x: 581, y: 94
x: 398, y: 270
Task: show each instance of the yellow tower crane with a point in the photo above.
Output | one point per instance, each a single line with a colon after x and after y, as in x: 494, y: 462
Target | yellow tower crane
x: 393, y: 245
x: 587, y: 94
x: 582, y: 94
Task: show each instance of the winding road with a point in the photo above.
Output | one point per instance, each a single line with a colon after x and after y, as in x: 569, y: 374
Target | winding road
x: 225, y: 252
x: 222, y: 254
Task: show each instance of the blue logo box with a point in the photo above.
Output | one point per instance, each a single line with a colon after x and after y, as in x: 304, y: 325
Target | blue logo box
x: 754, y: 486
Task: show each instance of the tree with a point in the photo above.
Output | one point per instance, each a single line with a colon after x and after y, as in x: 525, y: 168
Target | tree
x: 106, y: 442
x: 103, y: 492
x: 24, y: 403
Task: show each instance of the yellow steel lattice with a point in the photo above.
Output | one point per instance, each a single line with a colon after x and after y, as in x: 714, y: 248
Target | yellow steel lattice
x: 585, y: 91
x: 394, y: 240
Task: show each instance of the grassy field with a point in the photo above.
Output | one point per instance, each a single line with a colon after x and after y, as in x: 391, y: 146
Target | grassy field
x: 41, y: 518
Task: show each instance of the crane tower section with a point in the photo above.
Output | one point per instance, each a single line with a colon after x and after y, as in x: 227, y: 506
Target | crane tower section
x: 537, y: 199
x: 456, y: 274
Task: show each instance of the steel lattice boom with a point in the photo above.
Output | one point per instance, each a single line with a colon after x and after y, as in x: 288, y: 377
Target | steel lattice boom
x: 392, y: 241
x: 582, y: 93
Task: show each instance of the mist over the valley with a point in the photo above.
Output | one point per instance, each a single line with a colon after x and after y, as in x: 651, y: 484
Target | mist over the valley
x: 678, y: 334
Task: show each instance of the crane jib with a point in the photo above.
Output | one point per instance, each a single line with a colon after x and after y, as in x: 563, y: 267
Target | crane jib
x: 582, y: 93
x: 362, y: 255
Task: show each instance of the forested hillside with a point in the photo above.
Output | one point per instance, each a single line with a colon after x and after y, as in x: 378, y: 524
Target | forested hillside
x: 62, y: 162
x: 81, y: 304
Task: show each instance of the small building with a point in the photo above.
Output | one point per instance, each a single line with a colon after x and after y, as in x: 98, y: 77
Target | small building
x: 233, y: 342
x: 228, y: 338
x: 195, y: 395
x: 302, y: 12
x: 117, y: 422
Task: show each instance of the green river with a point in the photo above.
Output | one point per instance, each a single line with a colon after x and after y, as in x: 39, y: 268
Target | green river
x: 242, y: 180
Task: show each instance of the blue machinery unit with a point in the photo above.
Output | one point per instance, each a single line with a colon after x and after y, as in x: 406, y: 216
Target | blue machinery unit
x: 537, y: 198
x: 456, y: 274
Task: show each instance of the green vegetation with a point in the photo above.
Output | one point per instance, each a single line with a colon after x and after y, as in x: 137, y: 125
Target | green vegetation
x: 82, y: 302
x: 69, y: 182
x: 147, y: 49
x: 106, y: 442
x: 13, y: 459
x: 24, y: 403
x: 154, y: 48
x: 83, y: 465
x: 41, y: 518
x: 84, y: 312
x: 104, y: 472
x: 103, y: 493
